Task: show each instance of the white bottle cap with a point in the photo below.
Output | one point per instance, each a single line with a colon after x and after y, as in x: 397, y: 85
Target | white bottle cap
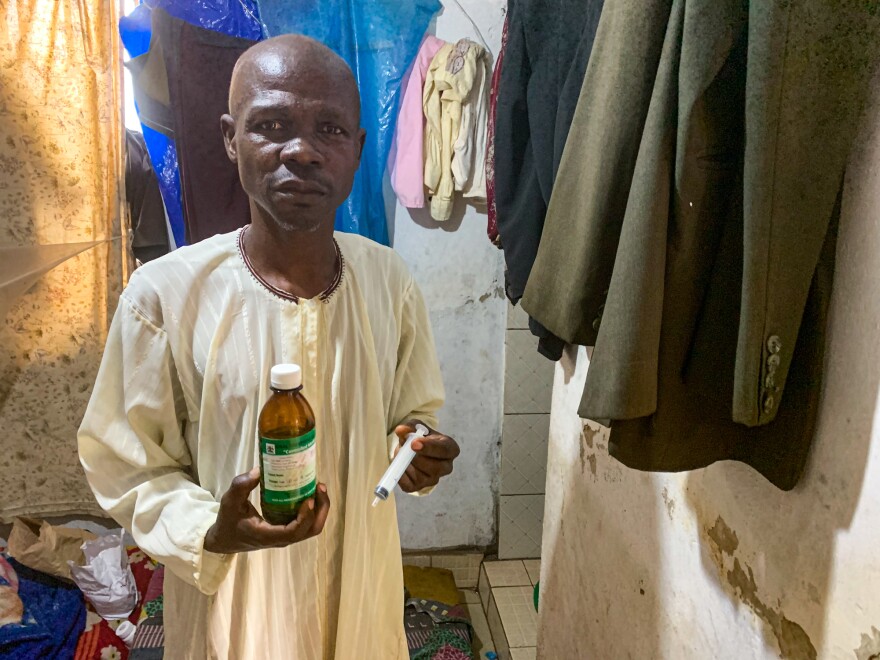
x: 286, y: 377
x: 125, y: 631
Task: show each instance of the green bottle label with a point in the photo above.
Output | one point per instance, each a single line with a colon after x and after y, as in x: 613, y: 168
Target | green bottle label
x: 289, y: 474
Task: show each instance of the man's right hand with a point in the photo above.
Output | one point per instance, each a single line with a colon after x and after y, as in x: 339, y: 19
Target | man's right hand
x: 240, y: 527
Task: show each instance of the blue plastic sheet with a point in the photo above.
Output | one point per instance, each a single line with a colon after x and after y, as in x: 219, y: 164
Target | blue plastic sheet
x: 237, y: 18
x: 378, y: 39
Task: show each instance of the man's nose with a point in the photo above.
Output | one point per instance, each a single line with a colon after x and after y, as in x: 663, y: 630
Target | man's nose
x: 302, y: 151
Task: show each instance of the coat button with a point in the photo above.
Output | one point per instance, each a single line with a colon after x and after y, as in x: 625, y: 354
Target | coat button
x: 769, y: 403
x: 770, y: 381
x: 773, y: 362
x: 774, y: 344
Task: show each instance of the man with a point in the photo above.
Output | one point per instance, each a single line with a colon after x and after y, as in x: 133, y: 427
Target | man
x: 173, y: 416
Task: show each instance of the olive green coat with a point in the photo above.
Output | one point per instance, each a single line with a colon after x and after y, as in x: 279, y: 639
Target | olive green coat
x: 689, y: 222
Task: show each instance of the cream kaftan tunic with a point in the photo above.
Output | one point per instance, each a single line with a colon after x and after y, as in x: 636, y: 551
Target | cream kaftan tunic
x: 173, y: 419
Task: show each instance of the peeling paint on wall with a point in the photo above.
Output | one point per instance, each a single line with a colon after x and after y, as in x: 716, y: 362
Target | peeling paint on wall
x: 723, y: 537
x: 588, y: 440
x: 670, y: 503
x: 793, y: 640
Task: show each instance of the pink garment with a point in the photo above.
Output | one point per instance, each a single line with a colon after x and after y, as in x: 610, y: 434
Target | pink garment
x: 407, y: 162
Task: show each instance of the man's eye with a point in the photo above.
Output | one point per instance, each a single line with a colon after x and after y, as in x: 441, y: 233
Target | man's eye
x: 333, y: 130
x: 271, y: 126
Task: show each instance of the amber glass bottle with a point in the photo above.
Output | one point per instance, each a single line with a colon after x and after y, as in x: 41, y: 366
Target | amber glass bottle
x: 287, y: 447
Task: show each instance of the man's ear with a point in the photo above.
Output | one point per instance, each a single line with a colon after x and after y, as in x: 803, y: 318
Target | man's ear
x: 227, y: 125
x: 362, y: 138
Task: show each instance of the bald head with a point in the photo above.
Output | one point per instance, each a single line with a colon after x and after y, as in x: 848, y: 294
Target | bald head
x: 291, y: 58
x: 293, y: 130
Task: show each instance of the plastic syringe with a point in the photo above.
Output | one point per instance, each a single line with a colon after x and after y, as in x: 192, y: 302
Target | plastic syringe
x: 398, y: 466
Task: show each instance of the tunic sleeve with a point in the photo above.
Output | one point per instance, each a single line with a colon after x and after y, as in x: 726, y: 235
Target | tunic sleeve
x: 418, y: 386
x: 136, y: 460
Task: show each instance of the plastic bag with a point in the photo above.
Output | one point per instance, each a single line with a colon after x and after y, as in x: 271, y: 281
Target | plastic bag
x: 106, y: 579
x: 378, y: 39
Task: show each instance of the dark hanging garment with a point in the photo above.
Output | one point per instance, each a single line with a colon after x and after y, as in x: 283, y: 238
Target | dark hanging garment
x: 548, y: 48
x: 198, y: 64
x: 146, y: 210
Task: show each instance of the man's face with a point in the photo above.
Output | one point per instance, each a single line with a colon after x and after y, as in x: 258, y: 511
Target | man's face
x: 297, y: 141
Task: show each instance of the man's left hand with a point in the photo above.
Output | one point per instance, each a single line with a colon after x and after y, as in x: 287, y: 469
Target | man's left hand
x: 433, y: 461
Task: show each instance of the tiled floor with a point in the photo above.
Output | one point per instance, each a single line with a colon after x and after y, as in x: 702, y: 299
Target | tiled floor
x: 482, y: 634
x: 465, y: 567
x: 507, y: 595
x: 499, y: 596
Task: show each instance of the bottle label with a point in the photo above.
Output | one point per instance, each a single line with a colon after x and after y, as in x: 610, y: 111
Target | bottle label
x: 289, y: 473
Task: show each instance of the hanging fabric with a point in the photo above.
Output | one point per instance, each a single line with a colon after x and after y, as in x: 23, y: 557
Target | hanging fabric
x: 61, y: 162
x: 378, y: 39
x: 491, y: 208
x: 149, y: 227
x: 407, y: 160
x: 697, y: 253
x: 136, y: 32
x: 548, y: 48
x: 197, y: 66
x: 235, y: 18
x: 455, y: 102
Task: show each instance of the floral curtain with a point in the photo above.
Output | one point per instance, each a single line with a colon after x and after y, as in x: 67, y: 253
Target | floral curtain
x: 62, y: 248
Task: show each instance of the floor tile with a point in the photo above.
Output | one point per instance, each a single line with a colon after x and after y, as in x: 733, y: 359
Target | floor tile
x: 482, y: 635
x: 521, y: 526
x: 510, y: 573
x: 524, y: 442
x: 484, y: 588
x: 499, y: 638
x: 518, y: 617
x: 457, y: 560
x: 470, y: 597
x: 465, y: 567
x: 533, y: 568
x: 466, y: 578
x: 528, y: 653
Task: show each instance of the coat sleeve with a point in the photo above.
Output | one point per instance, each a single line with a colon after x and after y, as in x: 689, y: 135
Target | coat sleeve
x: 418, y: 385
x: 136, y: 460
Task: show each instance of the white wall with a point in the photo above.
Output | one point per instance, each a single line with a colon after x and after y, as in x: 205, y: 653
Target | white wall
x: 460, y: 273
x: 718, y: 563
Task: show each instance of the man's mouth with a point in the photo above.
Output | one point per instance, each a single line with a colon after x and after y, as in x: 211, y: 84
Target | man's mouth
x: 299, y: 187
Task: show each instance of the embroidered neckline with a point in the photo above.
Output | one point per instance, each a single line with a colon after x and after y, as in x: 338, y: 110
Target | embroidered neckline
x: 324, y: 297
